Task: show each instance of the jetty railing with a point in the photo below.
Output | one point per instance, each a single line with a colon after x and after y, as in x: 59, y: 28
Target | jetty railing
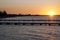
x: 31, y: 22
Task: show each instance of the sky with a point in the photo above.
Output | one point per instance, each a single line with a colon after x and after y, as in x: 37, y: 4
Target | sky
x: 40, y: 7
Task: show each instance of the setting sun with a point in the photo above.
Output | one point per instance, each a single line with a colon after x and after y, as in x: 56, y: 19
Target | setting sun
x: 51, y: 13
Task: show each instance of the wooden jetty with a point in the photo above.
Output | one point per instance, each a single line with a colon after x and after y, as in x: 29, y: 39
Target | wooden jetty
x: 30, y: 22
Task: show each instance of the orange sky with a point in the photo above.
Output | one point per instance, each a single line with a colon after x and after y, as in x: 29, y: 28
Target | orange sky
x: 40, y: 7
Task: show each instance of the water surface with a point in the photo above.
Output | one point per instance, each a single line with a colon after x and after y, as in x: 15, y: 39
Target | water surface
x: 20, y: 32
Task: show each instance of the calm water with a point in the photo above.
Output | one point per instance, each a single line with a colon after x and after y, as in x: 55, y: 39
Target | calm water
x: 17, y: 32
x: 34, y: 18
x: 28, y: 32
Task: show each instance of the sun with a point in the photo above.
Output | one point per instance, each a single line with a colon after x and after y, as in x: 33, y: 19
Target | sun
x: 51, y: 13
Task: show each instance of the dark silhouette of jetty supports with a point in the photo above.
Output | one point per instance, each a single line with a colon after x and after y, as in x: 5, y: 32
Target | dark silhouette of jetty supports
x: 31, y: 22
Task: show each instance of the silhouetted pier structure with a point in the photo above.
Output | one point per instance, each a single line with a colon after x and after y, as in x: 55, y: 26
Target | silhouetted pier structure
x: 30, y: 22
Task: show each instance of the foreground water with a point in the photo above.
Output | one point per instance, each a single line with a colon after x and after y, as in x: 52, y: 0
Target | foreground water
x: 27, y: 32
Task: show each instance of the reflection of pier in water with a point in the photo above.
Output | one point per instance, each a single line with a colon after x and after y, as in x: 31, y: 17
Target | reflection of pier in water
x: 31, y: 22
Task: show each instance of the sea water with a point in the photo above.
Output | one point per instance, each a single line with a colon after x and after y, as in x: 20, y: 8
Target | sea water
x: 20, y: 32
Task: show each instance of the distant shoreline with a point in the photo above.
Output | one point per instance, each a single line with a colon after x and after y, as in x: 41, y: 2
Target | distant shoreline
x: 4, y: 14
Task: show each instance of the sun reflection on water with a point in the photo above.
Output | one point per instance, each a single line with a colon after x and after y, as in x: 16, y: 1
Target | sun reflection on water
x: 51, y: 18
